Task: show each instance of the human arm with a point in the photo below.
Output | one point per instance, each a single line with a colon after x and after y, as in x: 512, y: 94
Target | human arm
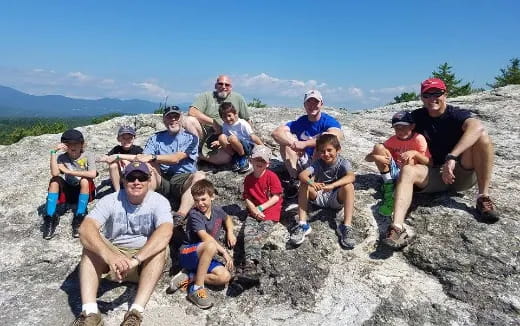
x: 203, y: 119
x: 415, y: 156
x: 256, y: 139
x: 346, y: 179
x: 169, y: 159
x: 254, y: 211
x: 157, y: 242
x: 301, y: 145
x: 205, y: 237
x: 305, y: 177
x: 230, y: 235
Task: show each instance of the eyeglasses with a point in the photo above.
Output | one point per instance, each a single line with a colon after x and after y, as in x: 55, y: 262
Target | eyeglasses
x: 173, y: 116
x: 223, y: 84
x: 140, y: 177
x: 432, y: 94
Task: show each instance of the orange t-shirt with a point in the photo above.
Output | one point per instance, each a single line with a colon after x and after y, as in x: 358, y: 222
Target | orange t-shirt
x: 397, y: 146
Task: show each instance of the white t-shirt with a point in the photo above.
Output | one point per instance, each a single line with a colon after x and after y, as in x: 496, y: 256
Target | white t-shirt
x: 127, y: 225
x: 241, y: 128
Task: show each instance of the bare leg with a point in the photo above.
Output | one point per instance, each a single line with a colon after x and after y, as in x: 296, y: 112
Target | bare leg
x: 192, y: 125
x: 236, y: 145
x: 113, y: 170
x: 187, y: 198
x: 218, y: 276
x: 304, y: 194
x: 91, y: 267
x: 410, y: 175
x: 150, y: 274
x: 346, y: 197
x: 205, y: 251
x: 379, y: 149
x: 480, y: 157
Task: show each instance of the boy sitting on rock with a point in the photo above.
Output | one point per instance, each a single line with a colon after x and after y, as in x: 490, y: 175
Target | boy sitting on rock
x: 72, y: 182
x: 263, y: 199
x: 201, y: 245
x: 237, y: 139
x: 405, y: 147
x: 121, y: 155
x: 329, y: 183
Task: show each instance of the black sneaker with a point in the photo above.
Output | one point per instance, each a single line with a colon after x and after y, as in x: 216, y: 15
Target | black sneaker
x: 291, y: 190
x: 49, y: 226
x: 76, y: 223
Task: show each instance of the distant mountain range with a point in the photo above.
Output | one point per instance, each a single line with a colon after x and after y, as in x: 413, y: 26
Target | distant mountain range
x: 16, y: 104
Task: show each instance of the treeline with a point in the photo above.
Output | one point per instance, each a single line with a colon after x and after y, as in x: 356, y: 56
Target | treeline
x: 12, y: 130
x: 508, y: 76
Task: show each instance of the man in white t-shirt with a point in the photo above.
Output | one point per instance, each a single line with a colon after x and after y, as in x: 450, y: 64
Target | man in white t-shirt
x: 136, y: 226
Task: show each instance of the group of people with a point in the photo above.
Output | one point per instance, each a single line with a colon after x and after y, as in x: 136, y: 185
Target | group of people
x: 125, y: 237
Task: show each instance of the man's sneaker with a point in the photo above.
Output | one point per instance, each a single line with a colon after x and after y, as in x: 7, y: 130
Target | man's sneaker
x: 180, y: 281
x: 88, y: 320
x: 49, y: 226
x: 486, y: 209
x: 387, y: 206
x: 299, y: 233
x: 132, y: 318
x: 76, y: 223
x: 244, y: 165
x: 291, y: 191
x: 397, y: 238
x: 346, y: 236
x: 200, y: 298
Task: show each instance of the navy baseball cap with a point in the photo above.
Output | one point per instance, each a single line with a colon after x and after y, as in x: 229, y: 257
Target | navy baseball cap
x: 171, y: 109
x: 136, y: 166
x: 402, y: 118
x: 72, y: 135
x: 126, y: 130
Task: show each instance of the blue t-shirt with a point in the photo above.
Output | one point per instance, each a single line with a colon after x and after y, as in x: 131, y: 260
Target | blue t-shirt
x: 441, y: 133
x: 305, y: 129
x: 164, y: 143
x: 198, y: 221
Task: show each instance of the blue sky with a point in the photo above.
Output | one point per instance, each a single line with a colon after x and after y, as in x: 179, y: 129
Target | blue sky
x: 360, y: 54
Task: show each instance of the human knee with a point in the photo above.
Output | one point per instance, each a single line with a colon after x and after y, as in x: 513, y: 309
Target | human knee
x: 209, y: 247
x: 379, y: 149
x: 199, y: 175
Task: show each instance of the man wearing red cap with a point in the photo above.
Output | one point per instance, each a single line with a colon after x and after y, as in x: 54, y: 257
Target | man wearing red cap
x: 462, y: 155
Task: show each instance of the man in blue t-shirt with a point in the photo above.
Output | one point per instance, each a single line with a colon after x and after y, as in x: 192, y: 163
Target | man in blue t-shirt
x: 462, y: 155
x: 297, y: 139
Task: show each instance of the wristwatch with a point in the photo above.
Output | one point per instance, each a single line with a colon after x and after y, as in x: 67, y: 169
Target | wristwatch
x: 138, y: 260
x: 451, y: 157
x: 154, y: 158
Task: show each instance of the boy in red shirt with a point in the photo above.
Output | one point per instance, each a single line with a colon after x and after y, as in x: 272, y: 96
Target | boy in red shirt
x: 263, y: 199
x: 405, y: 147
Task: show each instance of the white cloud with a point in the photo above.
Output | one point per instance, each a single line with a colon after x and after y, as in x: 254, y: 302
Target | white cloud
x: 78, y: 76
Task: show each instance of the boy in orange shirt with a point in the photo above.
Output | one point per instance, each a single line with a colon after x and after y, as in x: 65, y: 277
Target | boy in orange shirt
x: 405, y: 147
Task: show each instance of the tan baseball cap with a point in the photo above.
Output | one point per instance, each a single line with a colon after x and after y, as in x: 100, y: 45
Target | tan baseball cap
x: 261, y: 151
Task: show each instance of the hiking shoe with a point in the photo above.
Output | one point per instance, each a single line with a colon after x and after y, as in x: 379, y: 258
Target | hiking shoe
x: 76, y: 223
x: 49, y: 226
x: 88, y: 320
x: 397, y: 238
x: 200, y: 298
x: 299, y: 233
x: 291, y: 191
x: 132, y: 318
x: 244, y: 165
x: 180, y: 281
x: 387, y: 206
x: 346, y: 236
x: 486, y: 209
x: 251, y: 271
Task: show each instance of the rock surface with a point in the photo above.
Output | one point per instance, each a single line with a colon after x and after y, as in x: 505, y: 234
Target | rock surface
x: 459, y: 271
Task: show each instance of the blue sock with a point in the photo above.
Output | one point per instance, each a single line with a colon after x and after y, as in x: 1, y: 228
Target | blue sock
x: 52, y: 202
x: 82, y: 203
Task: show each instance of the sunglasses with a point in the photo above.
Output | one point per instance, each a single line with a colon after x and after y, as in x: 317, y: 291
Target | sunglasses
x: 223, y: 84
x: 140, y: 177
x: 432, y: 94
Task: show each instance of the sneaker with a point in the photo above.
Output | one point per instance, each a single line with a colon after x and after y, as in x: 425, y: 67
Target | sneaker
x: 49, y: 226
x: 88, y: 320
x: 200, y: 298
x: 76, y: 223
x: 235, y: 163
x: 486, y: 209
x: 291, y: 191
x: 387, y: 206
x: 180, y: 281
x: 346, y: 236
x: 244, y: 165
x: 132, y: 318
x: 397, y: 238
x: 298, y: 236
x: 290, y: 207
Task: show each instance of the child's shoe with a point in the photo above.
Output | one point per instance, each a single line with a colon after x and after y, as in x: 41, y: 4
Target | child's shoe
x: 244, y: 165
x: 299, y: 233
x: 49, y: 226
x: 76, y: 223
x: 180, y: 281
x: 346, y: 236
x: 200, y: 298
x: 387, y: 206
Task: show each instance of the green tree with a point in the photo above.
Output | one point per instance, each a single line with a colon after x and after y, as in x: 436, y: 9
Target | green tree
x: 256, y: 103
x: 508, y: 76
x: 105, y: 117
x: 452, y: 83
x: 405, y: 97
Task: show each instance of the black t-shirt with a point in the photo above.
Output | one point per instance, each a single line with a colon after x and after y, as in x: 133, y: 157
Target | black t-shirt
x: 198, y: 221
x: 441, y: 133
x: 134, y: 150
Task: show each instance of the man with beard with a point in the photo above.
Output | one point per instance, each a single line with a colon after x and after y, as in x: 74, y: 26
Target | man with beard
x: 297, y: 139
x: 203, y: 115
x: 136, y: 226
x: 173, y: 156
x: 462, y: 155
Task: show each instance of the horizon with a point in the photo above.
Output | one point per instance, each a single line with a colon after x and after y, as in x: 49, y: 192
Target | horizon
x: 359, y: 55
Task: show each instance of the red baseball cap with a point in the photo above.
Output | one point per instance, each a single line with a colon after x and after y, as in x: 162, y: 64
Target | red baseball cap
x: 432, y: 83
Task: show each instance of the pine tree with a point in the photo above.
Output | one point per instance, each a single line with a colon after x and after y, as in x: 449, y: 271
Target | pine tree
x: 452, y: 84
x: 509, y: 75
x: 406, y: 97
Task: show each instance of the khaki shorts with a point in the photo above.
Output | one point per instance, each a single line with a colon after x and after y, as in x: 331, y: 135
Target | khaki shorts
x: 464, y: 179
x: 171, y: 187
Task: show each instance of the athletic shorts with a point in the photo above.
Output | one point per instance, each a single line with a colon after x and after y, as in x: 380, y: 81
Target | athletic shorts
x: 69, y: 193
x: 464, y: 179
x: 248, y: 146
x: 189, y: 259
x: 328, y: 199
x: 395, y: 170
x: 171, y: 187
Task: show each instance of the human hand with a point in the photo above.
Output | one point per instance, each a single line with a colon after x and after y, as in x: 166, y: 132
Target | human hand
x: 408, y: 157
x: 229, y: 262
x: 215, y: 144
x: 105, y: 158
x: 382, y: 159
x: 298, y: 146
x: 318, y: 186
x: 144, y: 158
x: 231, y: 240
x: 328, y: 187
x: 257, y: 214
x: 61, y: 147
x: 120, y: 265
x: 447, y: 172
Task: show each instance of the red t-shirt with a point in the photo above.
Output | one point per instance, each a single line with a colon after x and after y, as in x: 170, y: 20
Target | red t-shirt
x: 258, y: 190
x: 397, y: 146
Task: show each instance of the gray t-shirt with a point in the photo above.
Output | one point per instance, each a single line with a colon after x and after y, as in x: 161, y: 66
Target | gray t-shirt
x: 85, y: 162
x: 208, y: 103
x: 198, y: 221
x: 329, y: 173
x: 127, y: 225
